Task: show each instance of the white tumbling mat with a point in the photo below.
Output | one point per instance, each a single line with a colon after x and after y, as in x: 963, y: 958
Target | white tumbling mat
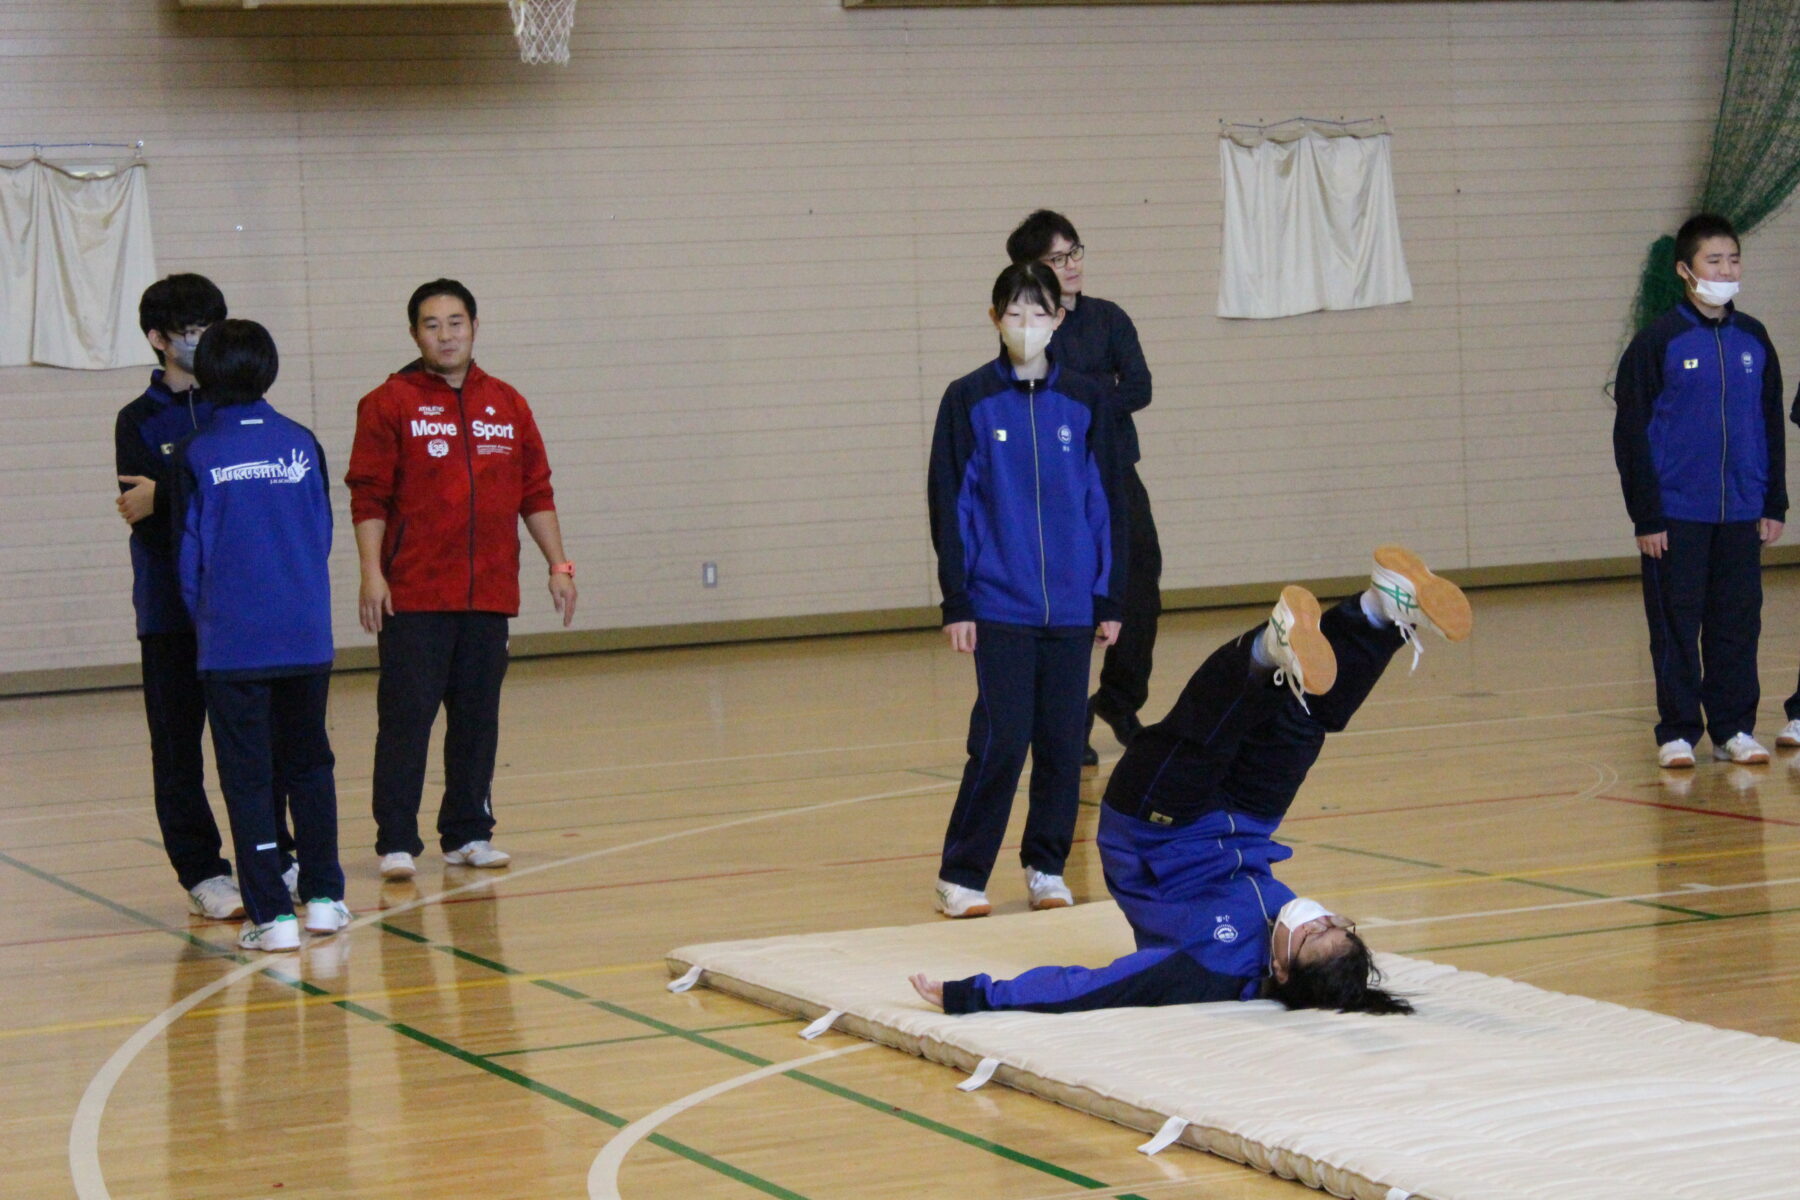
x: 1495, y: 1090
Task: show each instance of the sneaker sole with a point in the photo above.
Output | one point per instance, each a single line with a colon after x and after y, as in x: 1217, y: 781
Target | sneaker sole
x: 398, y: 872
x: 1318, y: 663
x: 1442, y: 602
x: 1787, y: 743
x: 195, y: 907
x: 1751, y: 760
x: 1677, y: 764
x: 1053, y: 902
x: 974, y: 910
x: 490, y: 866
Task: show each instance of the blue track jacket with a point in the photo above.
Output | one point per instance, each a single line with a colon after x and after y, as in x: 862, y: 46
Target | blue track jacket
x: 1227, y: 962
x: 144, y: 441
x: 1026, y: 513
x: 255, y: 537
x: 1698, y: 434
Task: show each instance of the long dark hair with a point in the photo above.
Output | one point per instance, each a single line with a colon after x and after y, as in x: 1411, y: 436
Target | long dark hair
x: 1345, y: 983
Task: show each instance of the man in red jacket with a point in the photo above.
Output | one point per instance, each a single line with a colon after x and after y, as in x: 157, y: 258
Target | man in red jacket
x: 446, y: 461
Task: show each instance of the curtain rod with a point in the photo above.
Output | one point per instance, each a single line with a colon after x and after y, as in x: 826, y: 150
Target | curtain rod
x: 1308, y: 120
x: 137, y: 145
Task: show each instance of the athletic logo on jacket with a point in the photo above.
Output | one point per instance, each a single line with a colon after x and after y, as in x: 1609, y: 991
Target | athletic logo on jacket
x: 1749, y: 363
x: 291, y: 469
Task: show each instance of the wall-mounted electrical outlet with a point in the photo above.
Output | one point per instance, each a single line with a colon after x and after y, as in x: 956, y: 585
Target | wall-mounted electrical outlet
x: 709, y: 574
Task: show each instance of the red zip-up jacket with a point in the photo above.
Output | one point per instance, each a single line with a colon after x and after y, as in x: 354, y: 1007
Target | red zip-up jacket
x: 451, y: 473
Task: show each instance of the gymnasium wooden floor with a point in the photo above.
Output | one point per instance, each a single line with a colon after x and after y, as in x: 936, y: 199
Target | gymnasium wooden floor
x: 485, y: 1034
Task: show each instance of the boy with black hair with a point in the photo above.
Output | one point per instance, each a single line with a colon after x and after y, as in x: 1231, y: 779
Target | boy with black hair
x: 255, y: 540
x: 173, y: 313
x: 1702, y: 455
x: 1097, y: 338
x: 1028, y: 527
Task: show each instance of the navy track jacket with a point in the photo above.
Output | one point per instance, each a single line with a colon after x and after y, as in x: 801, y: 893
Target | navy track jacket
x: 1026, y: 513
x: 1098, y: 339
x: 144, y: 441
x: 255, y: 539
x: 1698, y: 433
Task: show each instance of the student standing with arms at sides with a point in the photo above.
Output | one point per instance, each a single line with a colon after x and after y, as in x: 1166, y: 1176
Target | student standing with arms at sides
x: 1098, y: 339
x: 254, y: 550
x: 173, y: 313
x: 1028, y: 526
x: 1701, y: 452
x: 446, y: 461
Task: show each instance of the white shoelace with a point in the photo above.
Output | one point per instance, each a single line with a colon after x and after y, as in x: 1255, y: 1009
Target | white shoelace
x: 1410, y: 635
x: 1295, y: 684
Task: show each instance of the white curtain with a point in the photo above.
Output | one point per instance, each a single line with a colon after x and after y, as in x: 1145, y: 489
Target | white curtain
x: 1310, y: 220
x: 75, y: 255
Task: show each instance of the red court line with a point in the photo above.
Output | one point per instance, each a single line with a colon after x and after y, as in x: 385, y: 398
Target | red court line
x: 1704, y: 812
x: 1371, y: 812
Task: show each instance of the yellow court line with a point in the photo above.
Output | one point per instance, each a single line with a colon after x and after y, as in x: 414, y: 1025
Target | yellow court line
x: 303, y: 1001
x: 1461, y: 880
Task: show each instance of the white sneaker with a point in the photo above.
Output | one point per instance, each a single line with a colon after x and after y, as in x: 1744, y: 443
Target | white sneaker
x: 1047, y: 891
x: 326, y: 916
x: 1790, y: 734
x: 291, y: 877
x: 1303, y: 658
x: 216, y: 899
x: 1413, y: 598
x: 1675, y: 753
x: 1742, y: 749
x: 283, y: 933
x: 477, y: 854
x: 955, y: 900
x: 398, y: 865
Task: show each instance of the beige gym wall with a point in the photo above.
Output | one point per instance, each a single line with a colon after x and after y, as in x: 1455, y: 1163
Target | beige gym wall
x: 735, y: 250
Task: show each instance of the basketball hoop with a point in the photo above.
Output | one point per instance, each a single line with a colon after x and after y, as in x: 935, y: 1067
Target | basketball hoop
x: 543, y: 27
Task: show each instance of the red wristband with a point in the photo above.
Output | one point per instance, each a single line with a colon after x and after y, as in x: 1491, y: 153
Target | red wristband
x: 563, y: 568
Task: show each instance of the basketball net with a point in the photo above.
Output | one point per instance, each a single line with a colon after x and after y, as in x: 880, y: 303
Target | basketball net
x: 542, y: 27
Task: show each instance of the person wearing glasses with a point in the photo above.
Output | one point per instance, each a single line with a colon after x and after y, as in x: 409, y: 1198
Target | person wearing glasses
x: 1187, y: 829
x: 1098, y: 339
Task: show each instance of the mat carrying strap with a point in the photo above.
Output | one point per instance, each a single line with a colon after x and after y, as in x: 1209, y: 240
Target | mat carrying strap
x: 1165, y: 1137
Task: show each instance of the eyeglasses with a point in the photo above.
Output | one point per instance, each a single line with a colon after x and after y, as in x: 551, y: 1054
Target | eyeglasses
x: 1057, y: 262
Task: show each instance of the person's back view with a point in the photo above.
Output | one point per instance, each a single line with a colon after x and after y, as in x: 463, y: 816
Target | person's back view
x: 254, y: 551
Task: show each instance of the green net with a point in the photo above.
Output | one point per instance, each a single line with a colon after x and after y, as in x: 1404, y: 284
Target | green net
x: 1756, y: 142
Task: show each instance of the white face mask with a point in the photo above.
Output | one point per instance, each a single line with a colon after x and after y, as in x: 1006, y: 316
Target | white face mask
x: 1025, y: 344
x: 1715, y: 292
x: 1299, y: 911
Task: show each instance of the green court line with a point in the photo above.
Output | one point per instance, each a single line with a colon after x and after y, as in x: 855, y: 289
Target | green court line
x: 699, y: 1038
x: 636, y: 1037
x: 1704, y: 918
x: 537, y: 1087
x: 1536, y: 883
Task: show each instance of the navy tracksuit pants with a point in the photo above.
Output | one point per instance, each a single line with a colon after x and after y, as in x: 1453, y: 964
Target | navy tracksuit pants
x: 457, y: 660
x: 1125, y: 667
x: 266, y: 730
x: 1032, y: 696
x: 175, y: 709
x: 1236, y: 740
x: 1703, y: 603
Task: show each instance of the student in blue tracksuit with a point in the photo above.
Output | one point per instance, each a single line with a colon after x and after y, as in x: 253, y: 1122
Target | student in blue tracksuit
x: 1187, y: 829
x: 1701, y: 452
x: 255, y: 537
x: 173, y: 313
x: 1030, y: 533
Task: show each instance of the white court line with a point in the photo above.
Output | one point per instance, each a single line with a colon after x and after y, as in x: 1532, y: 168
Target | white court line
x: 603, y: 1175
x: 365, y: 785
x: 1690, y: 892
x: 84, y: 1132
